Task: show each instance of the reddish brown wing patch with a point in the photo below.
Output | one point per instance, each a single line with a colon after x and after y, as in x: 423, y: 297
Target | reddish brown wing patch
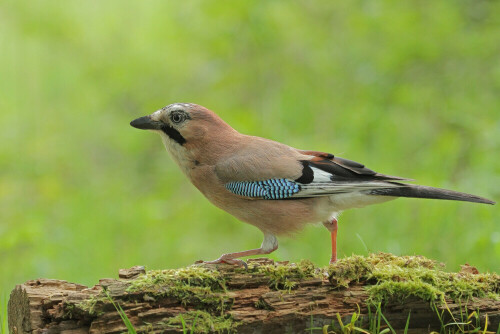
x: 318, y: 159
x: 328, y: 158
x: 342, y: 167
x: 323, y: 155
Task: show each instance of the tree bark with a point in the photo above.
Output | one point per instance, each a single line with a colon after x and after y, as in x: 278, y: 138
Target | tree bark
x: 256, y: 304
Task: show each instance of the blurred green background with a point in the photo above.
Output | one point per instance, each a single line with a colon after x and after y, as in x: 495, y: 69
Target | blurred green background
x: 408, y: 88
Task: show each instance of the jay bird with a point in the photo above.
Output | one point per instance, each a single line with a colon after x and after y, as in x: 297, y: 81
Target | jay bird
x: 270, y: 185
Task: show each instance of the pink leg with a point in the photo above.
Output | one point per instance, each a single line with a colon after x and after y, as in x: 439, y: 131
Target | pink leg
x: 269, y: 245
x: 332, y: 226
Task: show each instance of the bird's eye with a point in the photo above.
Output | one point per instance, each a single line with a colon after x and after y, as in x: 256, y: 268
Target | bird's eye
x: 177, y: 117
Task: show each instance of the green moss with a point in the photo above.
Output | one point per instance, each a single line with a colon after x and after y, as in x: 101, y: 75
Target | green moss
x: 385, y: 277
x: 399, y: 277
x: 203, y: 322
x: 349, y: 269
x: 88, y: 306
x: 286, y: 276
x: 193, y: 276
x: 492, y: 295
x: 193, y: 285
x: 402, y: 290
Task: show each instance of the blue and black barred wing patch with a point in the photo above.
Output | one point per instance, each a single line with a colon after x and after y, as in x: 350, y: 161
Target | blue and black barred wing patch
x: 268, y: 189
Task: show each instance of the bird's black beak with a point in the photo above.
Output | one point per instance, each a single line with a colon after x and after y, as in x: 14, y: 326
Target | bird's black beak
x: 145, y: 123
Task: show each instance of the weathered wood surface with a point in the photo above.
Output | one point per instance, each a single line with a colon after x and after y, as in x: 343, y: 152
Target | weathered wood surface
x: 54, y: 306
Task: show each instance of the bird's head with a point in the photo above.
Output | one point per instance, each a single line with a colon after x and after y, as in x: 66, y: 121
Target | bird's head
x: 182, y: 123
x: 170, y: 122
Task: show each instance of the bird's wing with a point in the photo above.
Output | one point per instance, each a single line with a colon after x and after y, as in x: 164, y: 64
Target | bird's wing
x: 297, y: 174
x: 324, y: 174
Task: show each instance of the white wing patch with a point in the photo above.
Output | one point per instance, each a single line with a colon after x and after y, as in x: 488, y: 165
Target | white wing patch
x: 320, y: 175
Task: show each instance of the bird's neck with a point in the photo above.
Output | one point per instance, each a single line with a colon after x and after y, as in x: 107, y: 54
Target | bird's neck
x: 206, y: 152
x: 182, y: 156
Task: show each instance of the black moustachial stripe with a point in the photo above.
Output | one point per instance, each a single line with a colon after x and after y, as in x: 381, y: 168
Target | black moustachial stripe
x: 174, y: 134
x: 307, y: 173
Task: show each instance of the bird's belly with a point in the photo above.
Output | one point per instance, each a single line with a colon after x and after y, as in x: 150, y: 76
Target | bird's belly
x: 271, y: 216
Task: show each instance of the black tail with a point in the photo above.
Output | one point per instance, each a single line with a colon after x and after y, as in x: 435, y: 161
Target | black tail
x: 429, y: 192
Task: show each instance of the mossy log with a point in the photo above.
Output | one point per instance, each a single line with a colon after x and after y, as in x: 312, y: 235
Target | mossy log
x: 266, y: 297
